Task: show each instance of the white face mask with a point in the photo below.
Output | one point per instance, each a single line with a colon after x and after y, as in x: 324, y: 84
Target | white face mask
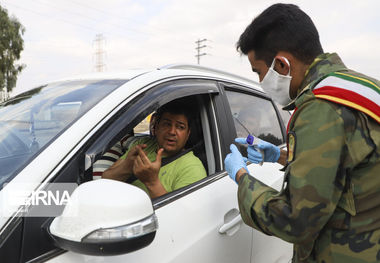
x: 276, y: 85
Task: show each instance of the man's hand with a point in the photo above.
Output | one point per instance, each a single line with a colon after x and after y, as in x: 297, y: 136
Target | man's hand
x: 131, y: 157
x: 271, y: 152
x: 235, y: 162
x: 147, y: 172
x: 122, y: 169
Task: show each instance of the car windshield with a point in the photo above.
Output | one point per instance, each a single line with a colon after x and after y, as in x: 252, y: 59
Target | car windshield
x: 32, y: 120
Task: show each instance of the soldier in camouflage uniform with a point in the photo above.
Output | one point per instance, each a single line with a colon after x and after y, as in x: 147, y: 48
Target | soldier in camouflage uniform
x: 329, y: 206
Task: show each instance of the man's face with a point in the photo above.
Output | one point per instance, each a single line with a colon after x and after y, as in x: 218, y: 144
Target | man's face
x: 172, y: 132
x: 297, y: 70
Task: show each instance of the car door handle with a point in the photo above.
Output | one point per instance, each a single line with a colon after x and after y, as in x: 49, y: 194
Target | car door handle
x: 232, y: 226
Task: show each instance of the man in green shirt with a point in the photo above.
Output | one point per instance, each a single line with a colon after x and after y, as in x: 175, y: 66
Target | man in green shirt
x: 144, y: 156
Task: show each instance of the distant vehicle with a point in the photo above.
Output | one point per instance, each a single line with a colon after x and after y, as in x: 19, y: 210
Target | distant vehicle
x: 55, y: 133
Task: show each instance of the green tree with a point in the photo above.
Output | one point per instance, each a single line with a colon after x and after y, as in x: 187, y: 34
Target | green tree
x: 11, y: 45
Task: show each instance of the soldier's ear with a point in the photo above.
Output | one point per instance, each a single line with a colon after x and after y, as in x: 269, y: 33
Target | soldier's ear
x: 282, y: 65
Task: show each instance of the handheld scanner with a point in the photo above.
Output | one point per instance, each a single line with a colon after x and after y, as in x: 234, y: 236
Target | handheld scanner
x: 250, y: 139
x: 253, y: 141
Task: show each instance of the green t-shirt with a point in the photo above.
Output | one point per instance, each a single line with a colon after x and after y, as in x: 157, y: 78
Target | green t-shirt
x: 181, y: 172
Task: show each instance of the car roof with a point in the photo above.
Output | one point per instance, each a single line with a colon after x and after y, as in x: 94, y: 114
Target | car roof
x: 171, y: 69
x: 127, y: 75
x: 207, y: 71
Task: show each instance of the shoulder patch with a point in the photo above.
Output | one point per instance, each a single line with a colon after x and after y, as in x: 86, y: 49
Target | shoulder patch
x: 291, y: 146
x: 351, y: 91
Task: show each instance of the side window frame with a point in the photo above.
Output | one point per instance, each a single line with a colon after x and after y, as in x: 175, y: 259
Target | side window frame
x: 149, y: 101
x: 251, y: 92
x: 209, y: 105
x: 142, y: 105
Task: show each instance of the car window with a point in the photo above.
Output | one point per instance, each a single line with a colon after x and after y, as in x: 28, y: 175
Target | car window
x: 143, y: 126
x: 32, y: 120
x: 143, y: 130
x: 199, y: 142
x: 254, y: 115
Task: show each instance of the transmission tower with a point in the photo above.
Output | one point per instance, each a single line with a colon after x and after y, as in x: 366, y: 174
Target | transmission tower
x: 199, y: 49
x: 100, y: 53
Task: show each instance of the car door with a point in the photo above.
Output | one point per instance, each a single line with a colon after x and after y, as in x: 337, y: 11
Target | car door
x: 198, y: 223
x: 249, y: 111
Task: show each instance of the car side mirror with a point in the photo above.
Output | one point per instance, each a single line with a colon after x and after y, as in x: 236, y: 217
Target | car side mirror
x: 105, y: 217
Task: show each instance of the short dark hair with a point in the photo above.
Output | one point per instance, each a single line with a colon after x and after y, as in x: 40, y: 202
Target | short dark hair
x: 281, y: 27
x: 179, y: 106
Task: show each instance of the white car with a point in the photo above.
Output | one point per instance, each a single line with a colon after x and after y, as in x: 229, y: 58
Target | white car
x: 53, y: 135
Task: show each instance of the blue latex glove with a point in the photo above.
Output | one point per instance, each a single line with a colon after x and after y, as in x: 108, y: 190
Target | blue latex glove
x: 271, y: 152
x: 234, y: 161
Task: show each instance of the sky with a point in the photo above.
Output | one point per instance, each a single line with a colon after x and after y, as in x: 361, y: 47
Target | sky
x: 59, y: 38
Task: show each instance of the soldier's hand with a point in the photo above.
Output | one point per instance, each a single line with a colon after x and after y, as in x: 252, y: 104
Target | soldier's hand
x: 234, y: 161
x: 271, y: 152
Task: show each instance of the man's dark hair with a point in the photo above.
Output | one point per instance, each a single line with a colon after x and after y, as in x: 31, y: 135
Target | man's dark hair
x: 179, y: 106
x: 281, y: 27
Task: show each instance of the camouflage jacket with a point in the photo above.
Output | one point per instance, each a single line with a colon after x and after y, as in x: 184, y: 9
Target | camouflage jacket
x: 329, y: 205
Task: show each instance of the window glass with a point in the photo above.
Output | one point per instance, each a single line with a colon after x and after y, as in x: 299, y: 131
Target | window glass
x: 33, y: 119
x: 175, y: 177
x: 254, y: 115
x: 144, y: 126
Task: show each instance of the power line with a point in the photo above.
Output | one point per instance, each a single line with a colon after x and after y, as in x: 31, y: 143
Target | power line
x: 54, y: 17
x: 108, y: 32
x: 81, y: 15
x: 92, y: 29
x: 119, y: 17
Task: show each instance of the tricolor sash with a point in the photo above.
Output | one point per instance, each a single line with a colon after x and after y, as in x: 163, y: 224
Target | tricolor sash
x: 352, y: 91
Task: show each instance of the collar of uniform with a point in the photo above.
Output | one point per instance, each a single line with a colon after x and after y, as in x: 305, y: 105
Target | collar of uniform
x: 322, y: 65
x: 290, y: 106
x: 298, y: 100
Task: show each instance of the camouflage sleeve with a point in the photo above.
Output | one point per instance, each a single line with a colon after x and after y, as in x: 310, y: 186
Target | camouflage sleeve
x: 314, y: 180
